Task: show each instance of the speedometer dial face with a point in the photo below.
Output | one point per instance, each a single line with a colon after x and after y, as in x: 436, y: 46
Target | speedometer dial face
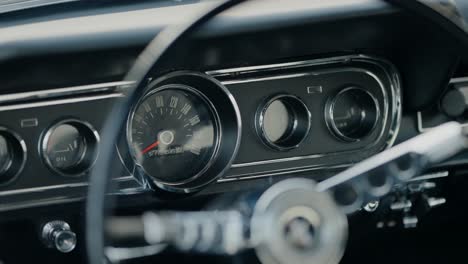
x: 173, y: 134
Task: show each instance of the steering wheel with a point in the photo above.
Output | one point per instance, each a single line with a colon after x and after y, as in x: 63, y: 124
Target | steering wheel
x: 450, y: 17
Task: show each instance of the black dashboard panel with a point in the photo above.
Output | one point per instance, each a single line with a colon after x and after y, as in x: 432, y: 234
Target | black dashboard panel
x: 31, y: 117
x: 314, y: 82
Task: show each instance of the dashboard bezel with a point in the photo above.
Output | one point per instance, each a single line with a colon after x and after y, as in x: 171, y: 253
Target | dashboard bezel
x: 153, y: 89
x: 330, y: 117
x: 75, y: 191
x: 230, y: 126
x: 300, y: 125
x: 390, y: 75
x: 89, y: 156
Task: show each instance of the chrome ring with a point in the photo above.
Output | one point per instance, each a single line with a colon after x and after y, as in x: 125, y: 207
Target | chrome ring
x: 217, y: 125
x: 218, y: 97
x: 330, y: 118
x: 90, y: 134
x: 299, y: 127
x: 18, y: 161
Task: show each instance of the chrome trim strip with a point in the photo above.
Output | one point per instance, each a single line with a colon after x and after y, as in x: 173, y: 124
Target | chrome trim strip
x: 431, y: 176
x: 59, y: 102
x: 37, y: 203
x: 280, y: 172
x: 125, y: 178
x: 272, y: 161
x: 281, y: 66
x: 10, y: 6
x: 62, y: 200
x: 58, y: 186
x: 394, y: 97
x: 61, y: 92
x: 261, y: 79
x: 41, y: 189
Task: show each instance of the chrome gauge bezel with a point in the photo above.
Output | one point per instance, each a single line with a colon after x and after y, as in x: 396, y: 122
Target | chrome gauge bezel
x: 89, y: 156
x: 330, y: 118
x: 300, y: 126
x: 212, y: 111
x: 18, y: 160
x: 229, y: 127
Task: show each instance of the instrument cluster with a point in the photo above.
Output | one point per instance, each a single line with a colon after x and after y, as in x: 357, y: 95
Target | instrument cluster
x: 312, y: 115
x: 190, y: 130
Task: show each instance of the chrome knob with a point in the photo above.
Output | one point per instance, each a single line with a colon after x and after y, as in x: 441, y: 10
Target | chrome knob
x: 58, y: 234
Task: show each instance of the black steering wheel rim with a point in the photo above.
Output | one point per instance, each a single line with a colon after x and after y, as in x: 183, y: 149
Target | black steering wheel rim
x: 148, y: 63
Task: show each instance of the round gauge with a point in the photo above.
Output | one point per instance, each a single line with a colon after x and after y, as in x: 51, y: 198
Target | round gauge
x: 283, y: 122
x: 173, y: 134
x: 6, y: 156
x: 70, y: 147
x: 12, y: 155
x: 352, y: 114
x: 66, y: 147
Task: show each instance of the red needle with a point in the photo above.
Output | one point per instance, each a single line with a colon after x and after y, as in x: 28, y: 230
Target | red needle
x: 150, y: 147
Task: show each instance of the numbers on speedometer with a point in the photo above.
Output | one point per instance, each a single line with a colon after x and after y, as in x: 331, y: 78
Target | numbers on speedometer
x: 173, y: 134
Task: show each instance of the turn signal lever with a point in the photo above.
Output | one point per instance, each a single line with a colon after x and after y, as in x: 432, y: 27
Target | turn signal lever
x: 296, y: 220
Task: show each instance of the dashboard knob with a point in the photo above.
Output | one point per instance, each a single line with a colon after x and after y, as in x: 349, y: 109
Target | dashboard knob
x: 58, y: 234
x: 454, y: 102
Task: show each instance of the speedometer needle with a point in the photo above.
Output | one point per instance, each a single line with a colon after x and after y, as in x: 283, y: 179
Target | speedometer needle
x: 150, y: 147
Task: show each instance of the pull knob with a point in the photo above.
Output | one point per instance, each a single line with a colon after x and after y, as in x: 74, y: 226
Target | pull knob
x: 58, y: 234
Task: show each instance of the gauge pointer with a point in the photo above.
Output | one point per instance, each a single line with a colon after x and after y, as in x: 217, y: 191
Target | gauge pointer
x: 150, y: 147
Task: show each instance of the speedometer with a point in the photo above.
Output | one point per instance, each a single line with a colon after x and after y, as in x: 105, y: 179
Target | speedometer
x: 182, y: 134
x: 173, y: 134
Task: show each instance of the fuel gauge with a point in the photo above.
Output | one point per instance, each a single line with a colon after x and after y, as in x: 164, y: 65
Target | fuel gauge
x: 70, y: 147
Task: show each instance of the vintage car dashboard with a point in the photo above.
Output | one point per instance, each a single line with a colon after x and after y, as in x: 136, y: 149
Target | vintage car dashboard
x: 263, y: 92
x: 267, y: 91
x: 259, y: 102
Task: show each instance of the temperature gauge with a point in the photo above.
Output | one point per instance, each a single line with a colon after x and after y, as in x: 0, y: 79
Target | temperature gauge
x: 70, y: 147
